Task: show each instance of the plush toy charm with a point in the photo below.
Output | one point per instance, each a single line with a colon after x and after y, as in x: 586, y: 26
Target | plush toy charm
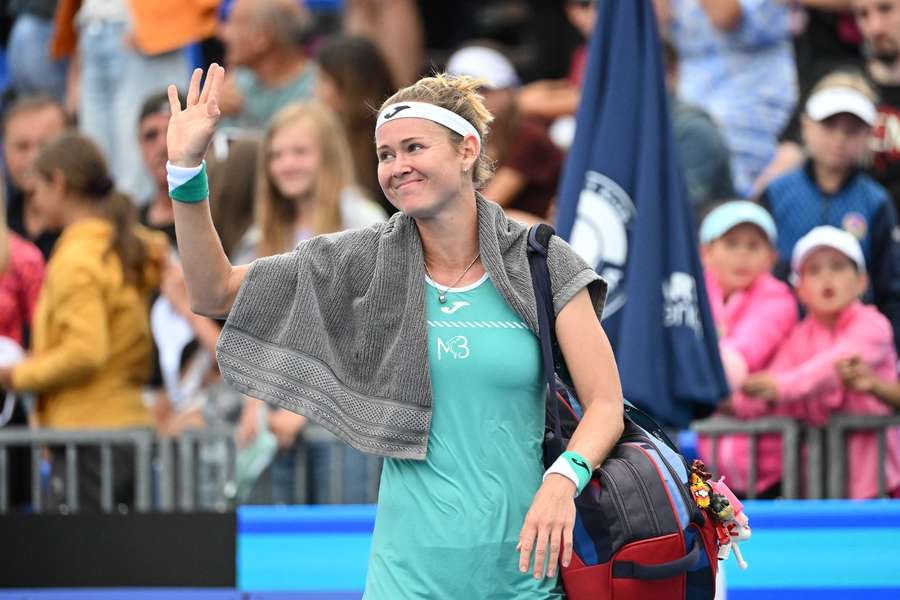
x: 734, y: 522
x: 699, y: 488
x: 725, y: 510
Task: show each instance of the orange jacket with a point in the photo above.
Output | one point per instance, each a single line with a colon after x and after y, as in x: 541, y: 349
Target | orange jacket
x: 158, y: 25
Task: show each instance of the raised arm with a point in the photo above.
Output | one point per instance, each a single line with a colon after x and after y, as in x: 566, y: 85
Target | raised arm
x: 212, y: 282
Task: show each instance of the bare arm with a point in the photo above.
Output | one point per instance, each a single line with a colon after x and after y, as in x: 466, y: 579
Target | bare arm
x: 589, y: 357
x: 504, y: 186
x: 396, y: 28
x: 212, y: 283
x: 724, y: 14
x: 592, y: 365
x: 549, y: 99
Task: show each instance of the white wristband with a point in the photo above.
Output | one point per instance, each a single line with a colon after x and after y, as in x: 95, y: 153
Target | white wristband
x: 178, y: 176
x: 562, y: 467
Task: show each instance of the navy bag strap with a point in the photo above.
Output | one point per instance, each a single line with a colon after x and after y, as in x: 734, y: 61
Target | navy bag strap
x: 538, y: 242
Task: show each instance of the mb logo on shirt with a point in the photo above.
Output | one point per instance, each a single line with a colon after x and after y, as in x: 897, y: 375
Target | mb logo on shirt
x: 457, y: 347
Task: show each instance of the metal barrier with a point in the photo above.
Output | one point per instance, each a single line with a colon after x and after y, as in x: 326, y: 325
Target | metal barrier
x: 139, y: 439
x: 198, y: 469
x: 838, y: 427
x: 823, y: 449
x: 195, y: 471
x: 789, y: 429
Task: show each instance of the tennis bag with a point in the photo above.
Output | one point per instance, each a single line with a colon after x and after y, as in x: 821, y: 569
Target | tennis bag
x: 639, y: 533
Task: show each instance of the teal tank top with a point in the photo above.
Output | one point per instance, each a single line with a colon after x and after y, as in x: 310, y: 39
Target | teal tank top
x: 447, y: 526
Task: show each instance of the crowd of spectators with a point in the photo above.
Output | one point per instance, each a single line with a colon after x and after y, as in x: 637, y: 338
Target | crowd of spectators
x: 786, y: 116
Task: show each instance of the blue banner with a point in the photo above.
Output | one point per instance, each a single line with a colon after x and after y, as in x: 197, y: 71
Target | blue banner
x: 623, y: 206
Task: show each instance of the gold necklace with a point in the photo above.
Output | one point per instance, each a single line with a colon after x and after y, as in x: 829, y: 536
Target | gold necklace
x: 442, y: 294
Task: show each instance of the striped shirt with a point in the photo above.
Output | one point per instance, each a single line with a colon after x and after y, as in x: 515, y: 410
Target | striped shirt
x: 745, y: 78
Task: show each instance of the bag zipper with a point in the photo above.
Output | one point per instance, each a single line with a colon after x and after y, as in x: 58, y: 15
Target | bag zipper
x: 617, y: 501
x: 682, y: 487
x: 648, y: 504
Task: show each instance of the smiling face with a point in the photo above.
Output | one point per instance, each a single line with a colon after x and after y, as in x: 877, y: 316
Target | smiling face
x: 420, y: 168
x: 829, y: 282
x: 739, y: 256
x: 294, y: 159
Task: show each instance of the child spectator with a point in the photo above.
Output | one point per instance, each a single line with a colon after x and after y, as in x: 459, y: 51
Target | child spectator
x: 90, y: 351
x: 305, y: 187
x: 752, y: 310
x: 801, y: 381
x: 830, y: 189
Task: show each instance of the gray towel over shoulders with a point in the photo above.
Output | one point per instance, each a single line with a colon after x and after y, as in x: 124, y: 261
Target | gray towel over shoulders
x: 335, y: 330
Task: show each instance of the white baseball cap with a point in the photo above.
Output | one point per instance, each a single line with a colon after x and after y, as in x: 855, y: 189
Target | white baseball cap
x: 827, y: 236
x: 484, y: 63
x: 831, y: 101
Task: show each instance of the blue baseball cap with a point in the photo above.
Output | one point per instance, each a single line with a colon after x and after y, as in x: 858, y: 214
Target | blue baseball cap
x: 726, y: 217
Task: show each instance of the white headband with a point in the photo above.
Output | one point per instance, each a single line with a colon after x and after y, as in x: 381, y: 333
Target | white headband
x: 424, y: 110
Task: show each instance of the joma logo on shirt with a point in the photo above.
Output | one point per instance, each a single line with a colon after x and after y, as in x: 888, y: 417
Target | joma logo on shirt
x: 457, y: 347
x: 449, y: 310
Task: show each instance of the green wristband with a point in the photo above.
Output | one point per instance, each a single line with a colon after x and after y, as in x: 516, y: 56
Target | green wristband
x: 581, y: 467
x: 195, y: 189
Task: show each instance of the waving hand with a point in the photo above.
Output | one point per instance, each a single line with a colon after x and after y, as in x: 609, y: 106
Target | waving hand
x: 191, y: 128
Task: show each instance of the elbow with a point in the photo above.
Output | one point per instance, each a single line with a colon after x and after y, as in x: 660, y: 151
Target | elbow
x: 209, y: 308
x: 212, y: 302
x: 87, y: 364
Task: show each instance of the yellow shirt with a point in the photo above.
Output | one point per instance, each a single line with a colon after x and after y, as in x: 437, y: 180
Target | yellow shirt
x: 91, y: 343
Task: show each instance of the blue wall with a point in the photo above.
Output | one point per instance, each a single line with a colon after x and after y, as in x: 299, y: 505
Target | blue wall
x: 800, y: 549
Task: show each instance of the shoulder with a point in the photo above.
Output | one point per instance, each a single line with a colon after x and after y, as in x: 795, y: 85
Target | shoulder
x: 24, y: 255
x: 770, y: 287
x: 569, y: 273
x: 358, y: 211
x: 790, y: 192
x: 246, y: 80
x: 868, y: 318
x: 78, y: 265
x: 789, y: 180
x: 870, y: 190
x: 358, y: 243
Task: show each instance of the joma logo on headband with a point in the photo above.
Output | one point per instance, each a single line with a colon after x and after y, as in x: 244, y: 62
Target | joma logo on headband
x: 397, y: 109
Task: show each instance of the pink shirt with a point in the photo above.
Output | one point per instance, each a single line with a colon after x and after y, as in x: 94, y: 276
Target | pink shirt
x: 20, y: 284
x: 810, y: 389
x: 752, y: 322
